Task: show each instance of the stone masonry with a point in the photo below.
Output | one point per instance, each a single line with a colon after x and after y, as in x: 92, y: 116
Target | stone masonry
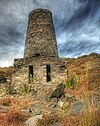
x: 41, y: 62
x: 40, y: 39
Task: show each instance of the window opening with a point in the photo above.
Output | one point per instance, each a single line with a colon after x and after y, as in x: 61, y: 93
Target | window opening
x: 48, y: 71
x: 30, y: 74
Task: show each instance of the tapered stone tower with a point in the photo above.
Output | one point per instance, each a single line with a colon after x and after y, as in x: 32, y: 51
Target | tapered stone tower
x: 41, y: 63
x: 40, y: 38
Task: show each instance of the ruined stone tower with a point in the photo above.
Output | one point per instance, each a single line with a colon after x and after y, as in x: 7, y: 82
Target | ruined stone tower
x: 40, y: 63
x: 40, y: 38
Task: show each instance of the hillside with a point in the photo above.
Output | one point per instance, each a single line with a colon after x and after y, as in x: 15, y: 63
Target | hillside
x: 87, y: 70
x: 32, y: 105
x: 6, y: 71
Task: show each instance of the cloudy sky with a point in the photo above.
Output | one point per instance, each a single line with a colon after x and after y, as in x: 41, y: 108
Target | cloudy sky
x: 77, y: 25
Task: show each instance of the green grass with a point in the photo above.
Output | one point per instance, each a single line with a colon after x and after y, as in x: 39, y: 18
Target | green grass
x: 71, y: 81
x: 26, y: 88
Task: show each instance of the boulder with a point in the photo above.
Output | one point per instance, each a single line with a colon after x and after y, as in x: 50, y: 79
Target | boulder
x: 58, y: 92
x: 35, y: 108
x: 76, y: 107
x: 33, y: 120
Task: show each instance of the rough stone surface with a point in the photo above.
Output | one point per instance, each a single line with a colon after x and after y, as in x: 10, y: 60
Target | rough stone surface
x: 58, y: 92
x: 69, y: 97
x: 33, y: 120
x: 40, y: 51
x: 2, y: 90
x: 94, y: 99
x: 76, y: 107
x: 39, y: 70
x: 40, y: 39
x: 53, y: 103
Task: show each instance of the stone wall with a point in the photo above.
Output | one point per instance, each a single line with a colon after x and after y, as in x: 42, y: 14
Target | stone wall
x: 58, y: 70
x: 40, y: 38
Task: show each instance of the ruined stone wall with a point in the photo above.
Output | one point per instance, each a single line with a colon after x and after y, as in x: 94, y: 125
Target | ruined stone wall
x: 58, y: 70
x: 40, y: 38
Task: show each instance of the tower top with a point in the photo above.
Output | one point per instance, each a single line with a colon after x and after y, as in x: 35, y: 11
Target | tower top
x: 39, y: 10
x: 40, y: 38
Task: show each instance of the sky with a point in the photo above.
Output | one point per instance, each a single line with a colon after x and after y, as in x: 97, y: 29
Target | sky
x: 76, y: 22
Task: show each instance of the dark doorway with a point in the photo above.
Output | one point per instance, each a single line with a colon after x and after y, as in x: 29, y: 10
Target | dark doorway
x: 48, y: 71
x: 30, y: 74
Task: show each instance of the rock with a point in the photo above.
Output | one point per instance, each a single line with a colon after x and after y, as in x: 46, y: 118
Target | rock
x: 35, y: 109
x: 56, y: 124
x: 24, y: 111
x: 60, y: 103
x: 65, y: 105
x: 76, y: 107
x: 70, y: 97
x: 58, y: 92
x: 33, y: 120
x: 94, y: 99
x: 53, y: 103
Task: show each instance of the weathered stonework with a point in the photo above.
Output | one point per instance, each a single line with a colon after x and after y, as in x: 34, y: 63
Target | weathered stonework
x: 41, y: 53
x: 58, y: 69
x: 40, y: 39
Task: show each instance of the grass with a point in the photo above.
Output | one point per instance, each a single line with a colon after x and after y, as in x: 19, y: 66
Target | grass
x: 8, y: 101
x: 12, y: 118
x: 71, y: 81
x: 11, y: 106
x: 89, y: 117
x: 19, y: 102
x: 9, y: 87
x: 83, y: 119
x: 49, y: 120
x: 26, y: 88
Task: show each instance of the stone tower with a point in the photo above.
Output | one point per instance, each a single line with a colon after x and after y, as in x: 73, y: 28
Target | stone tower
x: 41, y: 63
x: 40, y: 38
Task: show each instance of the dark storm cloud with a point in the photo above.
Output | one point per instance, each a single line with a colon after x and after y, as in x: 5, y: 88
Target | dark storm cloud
x: 80, y: 34
x: 87, y: 11
x: 77, y: 25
